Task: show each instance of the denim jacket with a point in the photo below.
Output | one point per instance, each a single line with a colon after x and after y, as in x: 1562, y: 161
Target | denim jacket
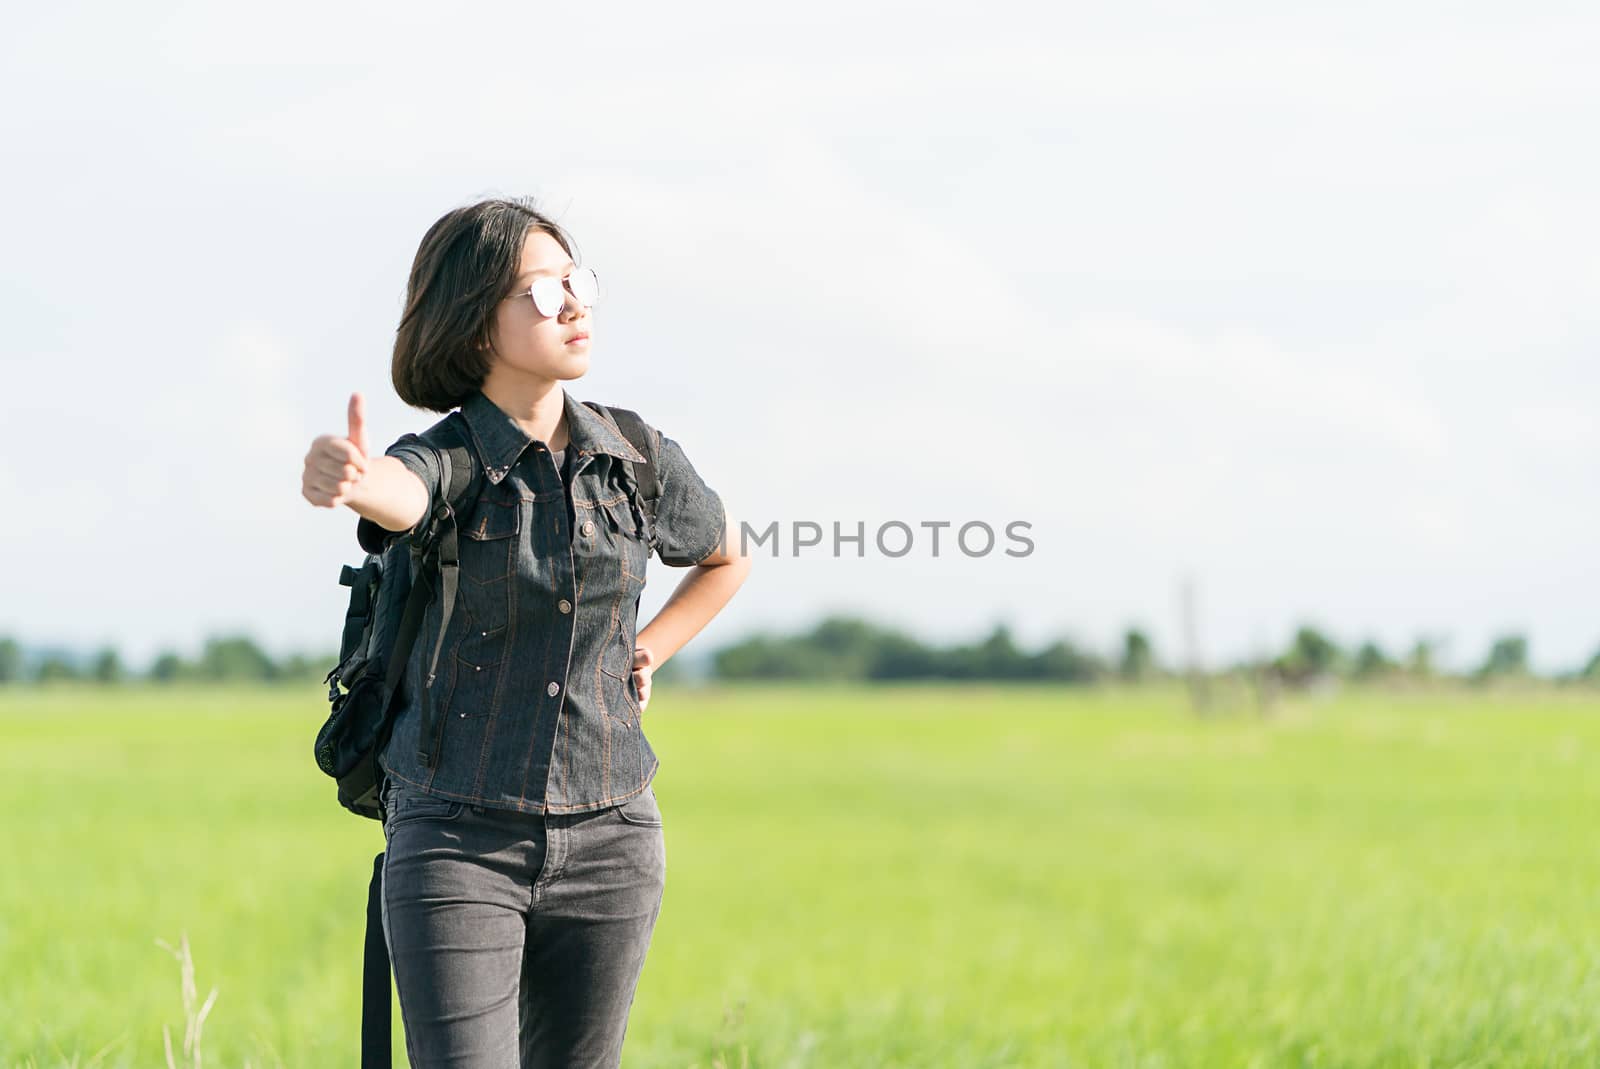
x: 534, y: 702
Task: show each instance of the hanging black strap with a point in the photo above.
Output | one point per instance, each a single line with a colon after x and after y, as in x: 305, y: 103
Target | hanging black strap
x: 376, y: 1052
x: 375, y: 997
x: 456, y: 476
x: 435, y: 567
x: 449, y: 570
x: 406, y: 637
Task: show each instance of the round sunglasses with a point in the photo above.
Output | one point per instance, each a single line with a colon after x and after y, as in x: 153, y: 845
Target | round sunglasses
x: 550, y: 294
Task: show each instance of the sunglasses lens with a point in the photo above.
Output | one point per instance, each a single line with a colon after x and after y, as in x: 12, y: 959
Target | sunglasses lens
x: 549, y: 296
x: 585, y: 286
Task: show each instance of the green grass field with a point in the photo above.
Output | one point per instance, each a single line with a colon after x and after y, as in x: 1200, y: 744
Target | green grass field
x: 959, y: 877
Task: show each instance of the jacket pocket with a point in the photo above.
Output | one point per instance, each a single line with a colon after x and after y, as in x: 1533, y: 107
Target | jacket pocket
x: 486, y: 602
x: 479, y: 658
x: 488, y: 546
x: 628, y: 542
x: 492, y: 518
x: 621, y: 699
x: 623, y: 568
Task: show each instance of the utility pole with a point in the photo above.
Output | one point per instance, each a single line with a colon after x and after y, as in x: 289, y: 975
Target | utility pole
x: 1263, y: 679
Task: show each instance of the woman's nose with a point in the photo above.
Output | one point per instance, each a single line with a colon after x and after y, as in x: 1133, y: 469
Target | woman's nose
x: 571, y: 307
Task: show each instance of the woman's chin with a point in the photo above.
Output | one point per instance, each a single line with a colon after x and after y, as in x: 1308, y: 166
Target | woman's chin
x: 567, y: 365
x: 574, y: 365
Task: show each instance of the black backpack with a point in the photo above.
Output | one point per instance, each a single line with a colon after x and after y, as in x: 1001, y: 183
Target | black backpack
x: 389, y: 595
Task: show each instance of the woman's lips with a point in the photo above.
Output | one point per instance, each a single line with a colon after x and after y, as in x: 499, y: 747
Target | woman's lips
x: 581, y: 339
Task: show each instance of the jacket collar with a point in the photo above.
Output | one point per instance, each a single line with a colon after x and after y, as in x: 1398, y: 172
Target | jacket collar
x: 501, y: 441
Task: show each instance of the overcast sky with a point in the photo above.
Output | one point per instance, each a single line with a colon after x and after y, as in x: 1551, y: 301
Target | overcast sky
x: 1297, y: 301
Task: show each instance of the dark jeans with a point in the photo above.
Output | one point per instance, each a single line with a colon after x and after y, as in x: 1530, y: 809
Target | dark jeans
x: 517, y: 939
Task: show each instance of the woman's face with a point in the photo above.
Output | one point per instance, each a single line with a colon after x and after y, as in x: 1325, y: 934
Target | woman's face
x: 523, y: 340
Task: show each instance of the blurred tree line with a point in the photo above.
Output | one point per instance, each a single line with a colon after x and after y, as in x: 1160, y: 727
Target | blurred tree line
x: 222, y: 659
x: 846, y: 648
x: 1312, y: 656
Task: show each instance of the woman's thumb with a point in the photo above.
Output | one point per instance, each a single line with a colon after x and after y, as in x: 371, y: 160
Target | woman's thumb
x: 358, y: 422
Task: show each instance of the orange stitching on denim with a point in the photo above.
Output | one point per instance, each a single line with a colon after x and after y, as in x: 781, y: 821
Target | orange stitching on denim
x: 538, y: 718
x: 599, y: 684
x: 587, y: 807
x: 483, y: 751
x: 605, y: 753
x: 594, y: 503
x: 502, y: 674
x: 535, y: 807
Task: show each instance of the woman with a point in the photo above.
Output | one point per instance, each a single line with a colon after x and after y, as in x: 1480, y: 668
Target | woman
x: 525, y: 862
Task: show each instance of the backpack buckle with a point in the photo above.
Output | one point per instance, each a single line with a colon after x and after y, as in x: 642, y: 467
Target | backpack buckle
x: 441, y: 513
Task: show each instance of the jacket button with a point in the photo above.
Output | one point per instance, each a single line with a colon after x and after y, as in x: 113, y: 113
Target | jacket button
x: 553, y: 689
x: 564, y: 605
x: 588, y: 527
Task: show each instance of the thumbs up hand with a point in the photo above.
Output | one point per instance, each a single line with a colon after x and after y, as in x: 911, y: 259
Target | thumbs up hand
x: 358, y: 423
x: 336, y: 465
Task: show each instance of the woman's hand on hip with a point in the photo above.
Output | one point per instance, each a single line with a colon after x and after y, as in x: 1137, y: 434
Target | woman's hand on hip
x: 644, y: 663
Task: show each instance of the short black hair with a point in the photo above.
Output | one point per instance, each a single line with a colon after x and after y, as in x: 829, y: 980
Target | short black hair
x: 465, y: 266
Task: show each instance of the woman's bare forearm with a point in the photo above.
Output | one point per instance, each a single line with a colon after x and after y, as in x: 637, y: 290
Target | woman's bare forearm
x: 699, y: 596
x: 390, y: 495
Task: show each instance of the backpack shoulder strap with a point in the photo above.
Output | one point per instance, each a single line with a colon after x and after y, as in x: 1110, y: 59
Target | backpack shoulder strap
x: 440, y: 560
x: 458, y: 465
x: 641, y: 437
x: 450, y: 445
